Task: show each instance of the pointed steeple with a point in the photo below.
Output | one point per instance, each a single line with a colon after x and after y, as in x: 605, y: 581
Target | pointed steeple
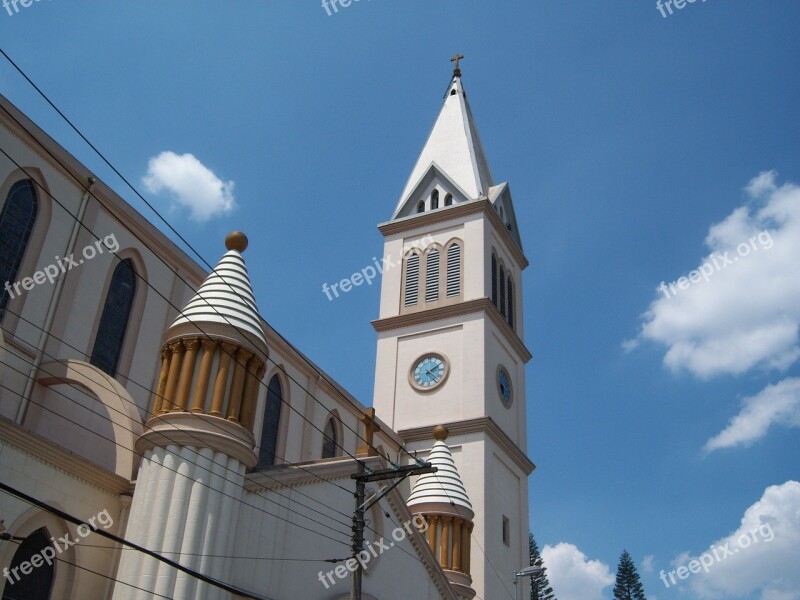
x: 454, y: 148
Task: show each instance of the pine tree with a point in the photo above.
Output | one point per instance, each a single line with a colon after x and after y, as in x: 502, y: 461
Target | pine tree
x: 628, y: 586
x: 540, y: 587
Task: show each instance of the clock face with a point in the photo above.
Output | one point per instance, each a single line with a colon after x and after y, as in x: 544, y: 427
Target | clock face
x: 429, y: 371
x: 504, y: 385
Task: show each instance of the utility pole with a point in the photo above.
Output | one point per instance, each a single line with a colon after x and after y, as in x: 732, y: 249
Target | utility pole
x: 399, y: 474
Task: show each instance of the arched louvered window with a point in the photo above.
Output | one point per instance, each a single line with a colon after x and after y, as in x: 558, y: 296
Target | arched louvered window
x: 330, y: 441
x: 448, y: 200
x: 510, y: 294
x: 432, y: 276
x: 38, y: 583
x: 494, y: 279
x: 453, y: 270
x: 502, y: 295
x: 412, y: 279
x: 16, y: 224
x: 272, y: 421
x: 114, y: 319
x: 435, y: 199
x: 421, y: 206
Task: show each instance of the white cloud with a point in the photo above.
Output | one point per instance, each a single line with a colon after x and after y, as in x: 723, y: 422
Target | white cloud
x: 647, y: 563
x: 572, y: 575
x: 191, y: 185
x: 767, y: 566
x: 775, y: 404
x: 747, y: 314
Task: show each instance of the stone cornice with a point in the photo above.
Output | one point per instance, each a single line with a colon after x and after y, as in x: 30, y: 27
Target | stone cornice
x: 449, y: 311
x: 61, y: 458
x: 451, y: 213
x: 481, y: 424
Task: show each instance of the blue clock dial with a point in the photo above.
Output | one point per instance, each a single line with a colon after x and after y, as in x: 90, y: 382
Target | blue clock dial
x: 429, y: 371
x: 504, y: 384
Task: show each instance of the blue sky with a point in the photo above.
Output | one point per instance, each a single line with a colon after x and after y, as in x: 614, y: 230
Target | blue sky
x: 629, y: 140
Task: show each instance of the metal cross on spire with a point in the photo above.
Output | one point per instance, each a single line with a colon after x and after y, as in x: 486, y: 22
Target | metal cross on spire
x: 457, y: 69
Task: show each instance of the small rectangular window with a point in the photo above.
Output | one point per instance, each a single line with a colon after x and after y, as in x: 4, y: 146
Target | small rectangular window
x: 506, y: 531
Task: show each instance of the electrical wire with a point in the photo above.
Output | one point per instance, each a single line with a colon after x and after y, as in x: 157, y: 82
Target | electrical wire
x: 120, y: 540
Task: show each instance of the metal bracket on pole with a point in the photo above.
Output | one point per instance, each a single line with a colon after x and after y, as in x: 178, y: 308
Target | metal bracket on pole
x: 399, y: 474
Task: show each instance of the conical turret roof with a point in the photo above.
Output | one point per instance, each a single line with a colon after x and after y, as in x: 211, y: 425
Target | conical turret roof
x: 444, y: 486
x: 226, y: 296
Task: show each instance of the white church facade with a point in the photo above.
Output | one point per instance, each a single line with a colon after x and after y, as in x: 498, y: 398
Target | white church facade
x: 148, y: 398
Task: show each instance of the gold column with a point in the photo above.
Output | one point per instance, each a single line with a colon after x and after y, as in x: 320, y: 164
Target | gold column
x: 177, y: 350
x: 250, y: 392
x: 432, y: 533
x: 187, y: 374
x: 162, y: 381
x: 456, y: 550
x: 465, y: 543
x: 444, y: 542
x: 237, y: 386
x: 221, y: 383
x: 203, y: 377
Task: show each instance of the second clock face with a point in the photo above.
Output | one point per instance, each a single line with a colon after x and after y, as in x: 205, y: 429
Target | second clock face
x: 429, y: 371
x: 504, y: 386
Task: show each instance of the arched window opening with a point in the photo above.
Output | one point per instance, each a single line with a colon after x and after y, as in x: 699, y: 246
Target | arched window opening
x: 38, y: 583
x: 448, y: 200
x: 421, y: 206
x: 502, y: 291
x: 412, y: 279
x: 510, y: 293
x: 494, y: 279
x: 432, y: 276
x: 114, y: 320
x: 453, y: 270
x: 434, y: 199
x: 272, y: 420
x: 16, y: 224
x: 330, y: 443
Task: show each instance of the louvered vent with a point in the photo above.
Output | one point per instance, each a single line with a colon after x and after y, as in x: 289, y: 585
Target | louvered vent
x: 453, y: 270
x: 432, y: 276
x: 412, y: 280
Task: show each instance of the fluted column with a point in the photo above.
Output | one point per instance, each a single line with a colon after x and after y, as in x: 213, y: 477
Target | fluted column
x: 187, y: 374
x: 465, y: 544
x: 204, y: 375
x: 443, y: 543
x: 162, y: 381
x: 456, y: 549
x: 177, y: 350
x: 237, y: 385
x: 221, y: 383
x: 432, y: 522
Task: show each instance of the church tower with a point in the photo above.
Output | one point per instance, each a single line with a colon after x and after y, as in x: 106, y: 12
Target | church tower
x: 450, y: 335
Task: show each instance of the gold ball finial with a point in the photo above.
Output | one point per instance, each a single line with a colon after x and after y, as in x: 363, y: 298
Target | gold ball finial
x: 236, y: 240
x: 440, y: 432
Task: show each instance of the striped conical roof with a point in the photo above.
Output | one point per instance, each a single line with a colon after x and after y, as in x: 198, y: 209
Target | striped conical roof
x: 226, y: 295
x: 444, y: 486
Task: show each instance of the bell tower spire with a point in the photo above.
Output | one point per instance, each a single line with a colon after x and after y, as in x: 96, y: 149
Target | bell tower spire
x: 451, y: 350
